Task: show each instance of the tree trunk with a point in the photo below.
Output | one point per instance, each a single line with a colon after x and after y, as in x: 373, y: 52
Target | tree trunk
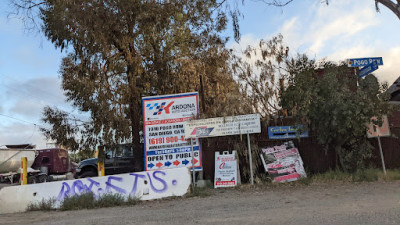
x: 135, y: 116
x: 340, y: 156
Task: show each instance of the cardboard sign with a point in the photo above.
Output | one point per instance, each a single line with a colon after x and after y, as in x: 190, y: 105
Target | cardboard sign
x: 226, y: 172
x: 164, y: 131
x: 283, y: 163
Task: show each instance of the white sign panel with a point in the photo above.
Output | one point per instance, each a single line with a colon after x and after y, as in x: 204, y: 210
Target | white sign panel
x: 164, y: 131
x: 223, y: 126
x: 225, y: 170
x: 143, y: 185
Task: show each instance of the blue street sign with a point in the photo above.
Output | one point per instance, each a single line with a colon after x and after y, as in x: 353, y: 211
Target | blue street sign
x: 364, y: 61
x: 368, y: 69
x: 287, y: 132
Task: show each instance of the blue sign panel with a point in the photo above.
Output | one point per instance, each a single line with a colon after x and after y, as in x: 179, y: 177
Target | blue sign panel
x: 368, y: 69
x: 286, y: 132
x: 364, y: 61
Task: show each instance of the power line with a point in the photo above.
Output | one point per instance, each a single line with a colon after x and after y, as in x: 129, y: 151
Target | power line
x: 20, y: 120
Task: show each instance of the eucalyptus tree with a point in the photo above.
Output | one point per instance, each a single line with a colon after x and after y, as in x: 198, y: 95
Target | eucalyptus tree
x: 122, y: 50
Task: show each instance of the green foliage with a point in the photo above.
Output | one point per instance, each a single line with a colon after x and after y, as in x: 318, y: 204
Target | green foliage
x: 88, y: 201
x: 337, y: 109
x: 43, y: 205
x: 200, y: 192
x: 122, y: 50
x: 362, y: 175
x: 82, y: 201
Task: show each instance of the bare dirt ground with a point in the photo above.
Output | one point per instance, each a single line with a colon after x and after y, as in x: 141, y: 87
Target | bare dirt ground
x: 334, y: 203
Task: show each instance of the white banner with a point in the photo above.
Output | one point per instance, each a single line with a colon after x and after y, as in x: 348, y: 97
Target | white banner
x: 223, y: 126
x: 164, y: 131
x: 225, y: 170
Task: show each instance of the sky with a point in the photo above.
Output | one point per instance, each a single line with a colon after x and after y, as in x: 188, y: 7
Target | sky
x: 29, y: 63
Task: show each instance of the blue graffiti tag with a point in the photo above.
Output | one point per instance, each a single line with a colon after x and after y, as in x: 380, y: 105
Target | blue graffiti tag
x: 159, y: 179
x: 135, y: 182
x: 92, y: 186
x: 111, y: 186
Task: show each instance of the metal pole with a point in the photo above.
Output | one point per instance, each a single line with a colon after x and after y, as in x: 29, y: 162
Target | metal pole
x: 250, y: 160
x: 383, y: 160
x: 193, y: 178
x: 24, y: 174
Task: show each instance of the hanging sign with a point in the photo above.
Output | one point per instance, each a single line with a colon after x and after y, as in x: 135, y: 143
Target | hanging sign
x: 164, y: 131
x: 225, y: 170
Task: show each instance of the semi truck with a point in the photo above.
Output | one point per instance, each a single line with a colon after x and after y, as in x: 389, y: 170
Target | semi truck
x: 44, y: 165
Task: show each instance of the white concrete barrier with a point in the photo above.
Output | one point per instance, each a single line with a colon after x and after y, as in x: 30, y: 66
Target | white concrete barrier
x: 144, y: 185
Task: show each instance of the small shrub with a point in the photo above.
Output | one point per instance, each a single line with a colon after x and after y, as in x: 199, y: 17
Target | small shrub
x: 109, y: 200
x: 132, y: 200
x: 82, y: 201
x: 44, y: 205
x: 200, y: 192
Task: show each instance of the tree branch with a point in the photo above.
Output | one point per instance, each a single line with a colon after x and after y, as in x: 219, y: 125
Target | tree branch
x: 390, y: 5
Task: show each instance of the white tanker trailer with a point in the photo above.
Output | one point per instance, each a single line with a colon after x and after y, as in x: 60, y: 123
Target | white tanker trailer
x: 43, y: 165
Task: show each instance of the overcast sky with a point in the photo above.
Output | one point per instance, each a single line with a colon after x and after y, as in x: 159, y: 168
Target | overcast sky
x: 29, y: 64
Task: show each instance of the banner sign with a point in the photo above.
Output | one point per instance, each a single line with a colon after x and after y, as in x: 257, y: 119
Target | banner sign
x: 225, y: 170
x: 283, y: 163
x: 287, y: 132
x: 164, y: 131
x: 359, y: 62
x: 223, y: 126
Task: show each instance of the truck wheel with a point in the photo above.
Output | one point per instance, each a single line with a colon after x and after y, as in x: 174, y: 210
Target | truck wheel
x: 32, y: 180
x: 88, y: 173
x: 42, y: 178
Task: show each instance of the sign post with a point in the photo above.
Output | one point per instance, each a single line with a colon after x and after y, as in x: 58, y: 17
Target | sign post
x: 193, y: 175
x: 250, y: 160
x: 380, y: 150
x: 378, y: 132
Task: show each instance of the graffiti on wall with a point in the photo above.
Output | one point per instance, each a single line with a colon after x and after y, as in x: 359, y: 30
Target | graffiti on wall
x: 143, y: 185
x: 113, y: 185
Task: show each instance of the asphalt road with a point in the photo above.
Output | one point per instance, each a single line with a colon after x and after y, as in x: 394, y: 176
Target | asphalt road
x: 334, y: 203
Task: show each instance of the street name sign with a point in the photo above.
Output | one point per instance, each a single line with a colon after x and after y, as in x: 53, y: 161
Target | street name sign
x: 368, y: 69
x: 358, y: 62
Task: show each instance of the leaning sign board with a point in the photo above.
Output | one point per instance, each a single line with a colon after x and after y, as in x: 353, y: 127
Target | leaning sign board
x: 359, y: 62
x: 223, y: 126
x: 226, y: 172
x: 164, y: 131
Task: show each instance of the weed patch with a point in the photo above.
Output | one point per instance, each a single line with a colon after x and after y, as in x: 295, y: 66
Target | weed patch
x: 200, y: 192
x: 88, y: 201
x: 44, y: 205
